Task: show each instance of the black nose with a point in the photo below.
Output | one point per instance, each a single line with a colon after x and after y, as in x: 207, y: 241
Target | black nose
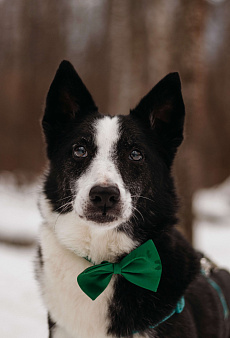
x: 104, y: 196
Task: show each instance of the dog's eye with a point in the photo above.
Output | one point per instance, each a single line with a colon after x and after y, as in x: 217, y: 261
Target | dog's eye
x: 79, y: 151
x: 136, y: 155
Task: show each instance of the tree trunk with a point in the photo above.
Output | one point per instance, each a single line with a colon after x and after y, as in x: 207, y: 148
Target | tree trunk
x: 187, y: 50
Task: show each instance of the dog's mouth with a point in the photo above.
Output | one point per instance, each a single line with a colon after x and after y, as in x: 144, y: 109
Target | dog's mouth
x: 102, y: 215
x: 101, y: 218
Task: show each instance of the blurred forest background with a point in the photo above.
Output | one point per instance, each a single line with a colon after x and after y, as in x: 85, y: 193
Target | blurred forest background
x: 120, y: 49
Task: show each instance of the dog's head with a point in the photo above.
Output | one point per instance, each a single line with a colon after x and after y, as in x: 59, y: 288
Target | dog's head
x: 111, y: 170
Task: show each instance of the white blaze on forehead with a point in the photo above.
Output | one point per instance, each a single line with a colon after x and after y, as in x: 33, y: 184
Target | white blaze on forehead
x: 103, y: 169
x: 107, y: 135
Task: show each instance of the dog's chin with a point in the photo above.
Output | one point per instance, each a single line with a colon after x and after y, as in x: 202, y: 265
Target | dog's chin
x: 102, y: 221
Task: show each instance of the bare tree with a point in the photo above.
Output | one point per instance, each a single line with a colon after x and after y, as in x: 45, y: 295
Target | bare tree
x: 186, y: 52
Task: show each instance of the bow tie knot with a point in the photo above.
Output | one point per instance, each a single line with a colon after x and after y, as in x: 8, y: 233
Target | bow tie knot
x: 141, y: 267
x: 116, y: 269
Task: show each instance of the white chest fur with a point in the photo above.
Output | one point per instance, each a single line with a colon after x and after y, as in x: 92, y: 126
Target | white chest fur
x: 68, y: 305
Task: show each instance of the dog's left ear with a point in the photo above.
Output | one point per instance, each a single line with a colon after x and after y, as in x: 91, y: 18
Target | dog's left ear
x: 162, y: 109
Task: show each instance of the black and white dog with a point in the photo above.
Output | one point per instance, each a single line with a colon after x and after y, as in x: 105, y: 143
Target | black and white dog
x: 108, y: 190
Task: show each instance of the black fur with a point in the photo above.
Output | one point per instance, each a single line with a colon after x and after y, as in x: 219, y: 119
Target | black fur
x: 155, y: 127
x: 51, y: 325
x: 39, y: 262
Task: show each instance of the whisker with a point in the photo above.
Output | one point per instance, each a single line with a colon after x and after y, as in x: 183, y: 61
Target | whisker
x: 139, y: 196
x: 70, y: 196
x: 135, y: 219
x: 65, y: 206
x: 138, y: 212
x: 56, y: 191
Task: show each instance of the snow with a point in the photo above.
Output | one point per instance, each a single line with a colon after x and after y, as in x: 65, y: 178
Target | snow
x: 213, y: 241
x: 20, y: 217
x: 22, y: 313
x: 213, y: 204
x: 212, y: 224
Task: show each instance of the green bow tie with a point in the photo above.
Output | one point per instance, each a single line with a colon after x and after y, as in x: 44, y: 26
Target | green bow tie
x: 141, y: 267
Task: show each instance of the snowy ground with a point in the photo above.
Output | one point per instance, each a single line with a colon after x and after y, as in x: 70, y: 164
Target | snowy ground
x: 212, y: 225
x: 22, y: 314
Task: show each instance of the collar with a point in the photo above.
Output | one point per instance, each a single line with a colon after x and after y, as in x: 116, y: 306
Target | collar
x: 178, y: 309
x: 207, y: 268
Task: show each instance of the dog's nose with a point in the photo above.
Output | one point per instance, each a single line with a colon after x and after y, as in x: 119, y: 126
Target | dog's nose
x: 104, y: 196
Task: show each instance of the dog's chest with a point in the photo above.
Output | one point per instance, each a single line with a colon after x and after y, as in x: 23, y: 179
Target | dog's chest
x: 67, y: 304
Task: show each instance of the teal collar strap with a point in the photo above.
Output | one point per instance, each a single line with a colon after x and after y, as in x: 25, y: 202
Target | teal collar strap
x: 220, y: 293
x: 178, y: 309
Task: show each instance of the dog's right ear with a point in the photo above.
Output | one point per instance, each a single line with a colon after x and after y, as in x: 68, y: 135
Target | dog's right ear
x: 163, y: 111
x: 67, y: 99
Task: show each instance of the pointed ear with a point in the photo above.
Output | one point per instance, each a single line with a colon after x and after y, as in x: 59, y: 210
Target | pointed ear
x: 162, y: 109
x: 67, y: 98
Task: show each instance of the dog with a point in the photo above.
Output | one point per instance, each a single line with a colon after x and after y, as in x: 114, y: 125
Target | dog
x: 109, y: 193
